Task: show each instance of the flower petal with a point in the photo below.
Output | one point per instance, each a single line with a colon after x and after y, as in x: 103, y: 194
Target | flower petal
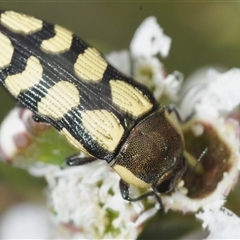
x: 150, y: 40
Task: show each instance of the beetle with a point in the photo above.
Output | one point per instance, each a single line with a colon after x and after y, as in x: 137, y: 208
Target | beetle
x: 102, y: 112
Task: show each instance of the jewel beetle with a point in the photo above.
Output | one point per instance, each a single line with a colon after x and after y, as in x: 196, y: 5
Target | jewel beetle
x: 102, y: 112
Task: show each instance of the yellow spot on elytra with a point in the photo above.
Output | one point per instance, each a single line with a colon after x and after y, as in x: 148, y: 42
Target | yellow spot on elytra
x: 129, y: 177
x: 26, y: 79
x: 60, y: 99
x: 129, y: 99
x: 90, y: 65
x: 61, y: 42
x: 6, y: 51
x: 73, y: 141
x: 20, y: 23
x: 104, y: 128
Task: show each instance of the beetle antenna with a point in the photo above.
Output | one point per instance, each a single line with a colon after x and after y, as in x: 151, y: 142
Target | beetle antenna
x: 204, y: 152
x: 147, y: 194
x: 159, y: 200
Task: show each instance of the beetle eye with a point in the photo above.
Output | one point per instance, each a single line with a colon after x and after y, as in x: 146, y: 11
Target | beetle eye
x: 165, y: 186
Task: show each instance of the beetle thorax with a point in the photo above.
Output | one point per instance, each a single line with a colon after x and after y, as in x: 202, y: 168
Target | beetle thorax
x: 152, y: 153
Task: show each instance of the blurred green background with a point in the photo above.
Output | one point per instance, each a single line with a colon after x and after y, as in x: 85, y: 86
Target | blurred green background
x: 203, y: 34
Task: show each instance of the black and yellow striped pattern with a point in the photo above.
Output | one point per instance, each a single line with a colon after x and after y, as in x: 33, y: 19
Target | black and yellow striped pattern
x: 69, y: 84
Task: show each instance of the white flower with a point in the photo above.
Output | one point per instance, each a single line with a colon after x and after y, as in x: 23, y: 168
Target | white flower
x: 221, y: 222
x: 213, y: 97
x: 172, y: 86
x: 222, y: 93
x: 149, y: 40
x: 149, y: 72
x: 141, y: 62
x: 87, y: 199
x: 13, y: 133
x: 225, y: 136
x: 211, y: 92
x: 120, y: 60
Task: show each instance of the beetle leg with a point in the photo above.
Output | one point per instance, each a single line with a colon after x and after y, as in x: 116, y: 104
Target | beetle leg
x: 172, y: 109
x: 124, y: 189
x: 76, y: 160
x: 39, y: 119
